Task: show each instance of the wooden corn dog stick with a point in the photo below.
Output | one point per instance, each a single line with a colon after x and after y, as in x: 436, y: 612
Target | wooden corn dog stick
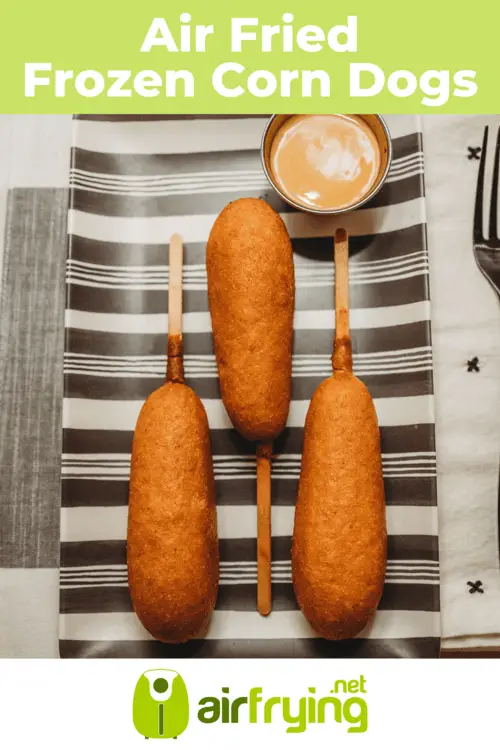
x: 342, y: 352
x: 264, y: 457
x: 175, y: 368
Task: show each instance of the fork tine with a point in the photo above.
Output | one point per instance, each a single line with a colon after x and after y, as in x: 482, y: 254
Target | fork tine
x: 494, y: 192
x: 478, y: 209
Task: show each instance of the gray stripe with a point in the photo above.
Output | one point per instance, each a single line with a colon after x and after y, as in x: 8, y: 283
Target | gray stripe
x: 214, y: 161
x: 398, y: 439
x: 311, y: 297
x: 135, y: 388
x: 31, y: 350
x: 400, y: 547
x: 109, y: 204
x: 367, y: 248
x: 89, y: 493
x: 242, y: 598
x: 365, y: 341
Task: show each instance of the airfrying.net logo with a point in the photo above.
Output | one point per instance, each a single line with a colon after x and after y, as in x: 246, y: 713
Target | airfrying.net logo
x: 161, y: 706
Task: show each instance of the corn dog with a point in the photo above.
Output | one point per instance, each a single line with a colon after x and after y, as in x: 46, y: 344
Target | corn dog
x: 251, y: 297
x: 339, y: 539
x: 172, y: 549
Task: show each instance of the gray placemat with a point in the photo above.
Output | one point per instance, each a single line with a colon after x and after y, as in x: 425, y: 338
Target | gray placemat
x: 31, y: 350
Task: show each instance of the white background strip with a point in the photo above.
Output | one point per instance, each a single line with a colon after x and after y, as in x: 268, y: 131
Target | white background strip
x: 234, y: 522
x: 196, y: 227
x: 94, y: 414
x: 124, y: 626
x: 199, y: 322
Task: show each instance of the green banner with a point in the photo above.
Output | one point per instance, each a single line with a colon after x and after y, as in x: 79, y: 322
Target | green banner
x: 259, y: 56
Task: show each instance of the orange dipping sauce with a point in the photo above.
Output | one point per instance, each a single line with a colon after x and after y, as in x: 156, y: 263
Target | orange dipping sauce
x: 325, y: 162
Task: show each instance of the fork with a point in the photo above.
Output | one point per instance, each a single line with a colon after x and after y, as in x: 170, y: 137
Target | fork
x: 487, y: 249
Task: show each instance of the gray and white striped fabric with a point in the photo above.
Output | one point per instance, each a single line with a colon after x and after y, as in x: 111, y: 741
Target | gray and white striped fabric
x: 135, y: 182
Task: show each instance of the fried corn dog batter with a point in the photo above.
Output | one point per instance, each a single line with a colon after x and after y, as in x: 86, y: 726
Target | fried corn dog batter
x: 173, y: 556
x: 251, y: 296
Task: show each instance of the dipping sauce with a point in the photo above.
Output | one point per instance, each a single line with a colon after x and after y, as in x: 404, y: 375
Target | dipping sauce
x: 325, y: 162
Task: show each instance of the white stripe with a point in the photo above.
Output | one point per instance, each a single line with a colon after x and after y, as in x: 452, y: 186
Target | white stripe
x: 379, y: 278
x: 401, y: 161
x: 203, y: 177
x: 291, y: 475
x: 124, y: 585
x: 169, y: 136
x: 395, y: 462
x: 242, y: 460
x: 231, y: 582
x: 96, y: 472
x: 158, y: 184
x: 207, y: 361
x: 405, y: 176
x: 361, y: 268
x: 190, y: 136
x: 305, y: 272
x: 194, y: 268
x: 420, y: 582
x: 425, y: 566
x: 280, y: 468
x: 221, y: 186
x: 237, y: 564
x: 90, y: 568
x: 308, y: 279
x: 66, y: 586
x: 234, y: 522
x: 231, y: 461
x: 409, y: 575
x: 252, y: 184
x: 241, y: 577
x: 196, y: 227
x: 227, y: 187
x: 92, y: 582
x: 382, y: 263
x: 414, y: 155
x: 125, y: 626
x: 199, y: 322
x: 203, y: 374
x: 410, y: 475
x: 197, y: 370
x: 123, y: 475
x: 302, y: 266
x: 94, y: 414
x: 154, y: 285
x: 412, y: 163
x: 167, y: 179
x: 408, y: 455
